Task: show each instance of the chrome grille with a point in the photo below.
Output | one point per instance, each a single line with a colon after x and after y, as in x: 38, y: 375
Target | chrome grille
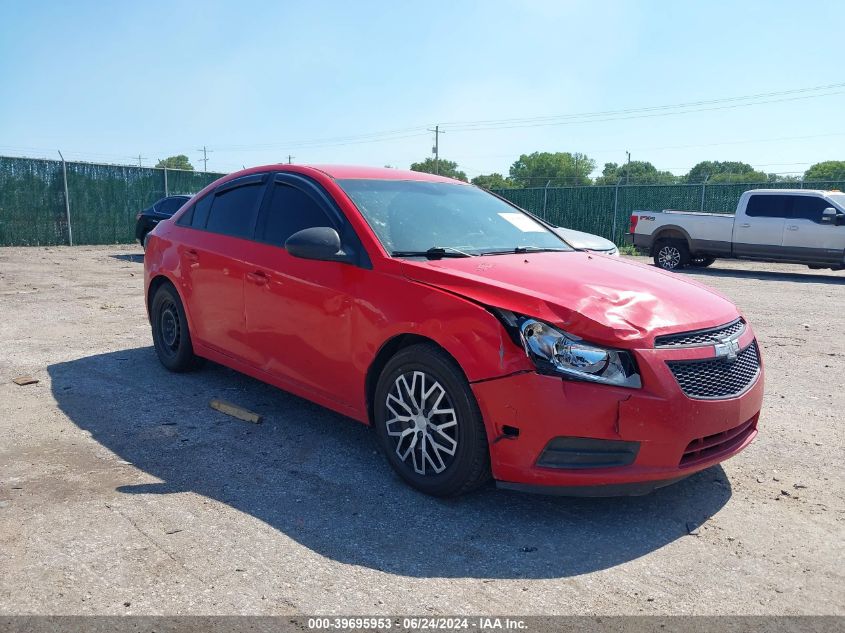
x: 717, y: 378
x: 700, y: 338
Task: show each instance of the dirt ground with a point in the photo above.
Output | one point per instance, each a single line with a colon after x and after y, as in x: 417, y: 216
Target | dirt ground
x: 121, y: 491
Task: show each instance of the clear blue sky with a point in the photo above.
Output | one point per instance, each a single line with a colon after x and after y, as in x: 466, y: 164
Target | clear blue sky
x: 105, y: 81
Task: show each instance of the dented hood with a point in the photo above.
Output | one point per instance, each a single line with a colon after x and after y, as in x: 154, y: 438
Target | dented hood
x: 604, y: 299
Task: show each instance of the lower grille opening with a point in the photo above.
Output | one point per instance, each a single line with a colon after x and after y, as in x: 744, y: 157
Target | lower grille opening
x: 705, y: 448
x: 585, y: 452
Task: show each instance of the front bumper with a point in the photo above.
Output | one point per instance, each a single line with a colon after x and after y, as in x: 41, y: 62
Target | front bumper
x: 676, y: 435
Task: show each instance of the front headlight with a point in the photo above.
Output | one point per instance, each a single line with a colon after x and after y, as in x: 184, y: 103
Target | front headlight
x: 556, y: 352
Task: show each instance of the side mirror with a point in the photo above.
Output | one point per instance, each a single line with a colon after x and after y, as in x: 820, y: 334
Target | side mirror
x: 319, y: 242
x: 832, y: 216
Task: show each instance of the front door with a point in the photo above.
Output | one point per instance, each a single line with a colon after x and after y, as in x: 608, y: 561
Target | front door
x: 807, y: 239
x: 299, y: 312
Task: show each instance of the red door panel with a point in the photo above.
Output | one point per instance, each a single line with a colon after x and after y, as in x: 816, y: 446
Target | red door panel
x: 299, y: 319
x: 214, y: 273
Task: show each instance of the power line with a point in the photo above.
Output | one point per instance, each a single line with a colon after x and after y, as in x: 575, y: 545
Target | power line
x: 477, y: 128
x: 688, y: 104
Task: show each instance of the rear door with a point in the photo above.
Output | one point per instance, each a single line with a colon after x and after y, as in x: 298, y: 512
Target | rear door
x: 299, y: 312
x: 806, y: 238
x: 759, y: 232
x: 213, y: 260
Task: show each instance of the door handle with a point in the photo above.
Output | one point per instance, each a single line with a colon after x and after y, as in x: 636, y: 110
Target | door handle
x: 792, y: 227
x: 258, y: 277
x: 744, y: 225
x: 192, y: 255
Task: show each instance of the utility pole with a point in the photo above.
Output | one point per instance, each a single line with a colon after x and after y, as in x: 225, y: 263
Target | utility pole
x: 628, y: 169
x: 139, y: 159
x: 436, y: 149
x: 290, y: 159
x: 205, y: 152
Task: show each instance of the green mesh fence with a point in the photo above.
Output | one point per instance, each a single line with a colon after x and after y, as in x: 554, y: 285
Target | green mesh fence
x: 606, y: 211
x: 104, y: 199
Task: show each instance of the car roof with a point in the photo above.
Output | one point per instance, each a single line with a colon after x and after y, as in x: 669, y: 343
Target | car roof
x: 799, y: 192
x: 353, y: 172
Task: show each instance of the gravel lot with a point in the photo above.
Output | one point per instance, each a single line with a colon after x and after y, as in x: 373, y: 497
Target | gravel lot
x: 121, y: 491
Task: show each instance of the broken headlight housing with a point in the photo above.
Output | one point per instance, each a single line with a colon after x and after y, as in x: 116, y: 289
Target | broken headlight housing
x: 556, y: 352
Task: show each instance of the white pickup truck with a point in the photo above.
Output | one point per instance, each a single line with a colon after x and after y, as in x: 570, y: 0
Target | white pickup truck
x: 797, y: 226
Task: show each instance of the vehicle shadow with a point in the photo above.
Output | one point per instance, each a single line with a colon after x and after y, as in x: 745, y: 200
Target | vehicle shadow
x: 765, y: 275
x: 318, y: 478
x: 135, y: 258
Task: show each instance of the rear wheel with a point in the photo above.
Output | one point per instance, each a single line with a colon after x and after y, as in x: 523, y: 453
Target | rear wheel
x: 671, y: 254
x: 429, y: 424
x: 701, y: 262
x: 171, y: 337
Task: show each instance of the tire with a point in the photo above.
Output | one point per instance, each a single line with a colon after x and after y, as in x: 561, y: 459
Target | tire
x: 171, y: 337
x: 701, y: 262
x: 671, y: 254
x: 409, y: 439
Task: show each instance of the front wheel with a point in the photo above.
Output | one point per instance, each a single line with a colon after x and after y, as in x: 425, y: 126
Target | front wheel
x: 670, y: 254
x: 429, y: 424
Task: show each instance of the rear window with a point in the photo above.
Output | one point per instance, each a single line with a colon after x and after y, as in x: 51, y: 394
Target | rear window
x: 233, y: 211
x: 768, y: 206
x: 169, y: 206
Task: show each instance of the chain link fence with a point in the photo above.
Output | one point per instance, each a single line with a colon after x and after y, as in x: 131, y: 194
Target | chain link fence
x: 102, y: 200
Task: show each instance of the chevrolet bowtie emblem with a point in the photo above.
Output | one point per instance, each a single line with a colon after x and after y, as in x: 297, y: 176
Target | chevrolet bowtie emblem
x: 727, y: 349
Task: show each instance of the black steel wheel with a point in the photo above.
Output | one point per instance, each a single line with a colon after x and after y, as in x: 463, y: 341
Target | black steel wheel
x: 171, y: 336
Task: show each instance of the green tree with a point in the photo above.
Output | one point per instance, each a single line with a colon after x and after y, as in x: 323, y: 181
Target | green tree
x: 727, y: 171
x: 176, y: 162
x: 446, y: 168
x: 638, y: 172
x: 828, y: 170
x: 493, y: 181
x: 561, y: 168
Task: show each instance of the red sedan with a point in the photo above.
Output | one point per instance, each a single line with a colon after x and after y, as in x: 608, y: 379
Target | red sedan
x: 472, y: 337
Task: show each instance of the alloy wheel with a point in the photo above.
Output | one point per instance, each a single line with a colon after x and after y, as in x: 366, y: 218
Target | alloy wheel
x: 422, y: 423
x: 669, y: 257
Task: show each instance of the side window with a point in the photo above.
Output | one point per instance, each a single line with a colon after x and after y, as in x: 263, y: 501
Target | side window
x: 169, y: 206
x: 200, y: 211
x: 290, y: 210
x: 809, y: 208
x: 233, y: 211
x: 768, y: 206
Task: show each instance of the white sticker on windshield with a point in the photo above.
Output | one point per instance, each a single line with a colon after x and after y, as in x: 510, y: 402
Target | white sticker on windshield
x: 523, y: 222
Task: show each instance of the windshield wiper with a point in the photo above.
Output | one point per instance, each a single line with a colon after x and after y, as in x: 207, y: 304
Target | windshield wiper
x: 435, y: 252
x: 527, y: 249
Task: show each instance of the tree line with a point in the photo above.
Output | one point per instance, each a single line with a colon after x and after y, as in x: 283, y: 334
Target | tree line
x: 565, y: 169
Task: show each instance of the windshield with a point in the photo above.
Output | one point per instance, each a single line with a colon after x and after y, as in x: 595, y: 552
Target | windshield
x: 412, y: 217
x: 838, y: 198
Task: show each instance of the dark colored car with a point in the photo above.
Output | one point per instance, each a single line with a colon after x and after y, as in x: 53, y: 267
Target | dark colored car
x: 146, y: 220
